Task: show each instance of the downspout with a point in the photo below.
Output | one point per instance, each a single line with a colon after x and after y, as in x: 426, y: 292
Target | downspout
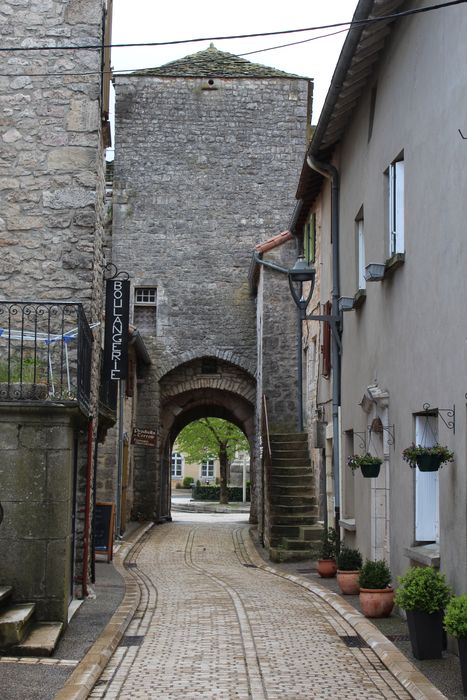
x: 330, y: 173
x: 87, y: 509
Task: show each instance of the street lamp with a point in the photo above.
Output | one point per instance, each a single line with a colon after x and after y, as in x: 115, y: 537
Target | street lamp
x: 298, y: 275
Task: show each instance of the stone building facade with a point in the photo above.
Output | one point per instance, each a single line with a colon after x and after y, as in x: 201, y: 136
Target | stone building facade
x: 53, y: 133
x: 207, y: 152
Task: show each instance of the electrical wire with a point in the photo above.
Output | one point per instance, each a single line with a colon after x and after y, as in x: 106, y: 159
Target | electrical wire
x: 350, y: 24
x: 135, y: 70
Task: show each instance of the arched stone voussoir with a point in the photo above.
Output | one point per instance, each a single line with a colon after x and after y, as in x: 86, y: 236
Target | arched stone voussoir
x: 190, y: 355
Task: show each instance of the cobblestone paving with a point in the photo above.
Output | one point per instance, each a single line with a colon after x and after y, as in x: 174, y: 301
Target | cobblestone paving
x: 211, y: 625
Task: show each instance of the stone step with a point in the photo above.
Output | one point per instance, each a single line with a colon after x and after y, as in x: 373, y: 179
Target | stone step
x: 5, y: 594
x: 283, y: 451
x: 311, y: 533
x: 291, y: 462
x: 292, y: 472
x: 14, y: 622
x: 297, y: 520
x: 292, y: 479
x: 297, y: 489
x: 297, y: 500
x: 295, y: 544
x: 280, y: 554
x: 307, y: 510
x: 291, y: 437
x: 41, y: 640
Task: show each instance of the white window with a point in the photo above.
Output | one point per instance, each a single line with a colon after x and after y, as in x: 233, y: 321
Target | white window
x: 145, y: 296
x: 177, y: 465
x: 426, y: 485
x: 207, y: 469
x: 360, y: 253
x: 396, y: 207
x: 144, y: 316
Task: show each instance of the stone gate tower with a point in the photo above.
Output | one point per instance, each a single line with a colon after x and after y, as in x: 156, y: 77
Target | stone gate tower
x: 208, y: 151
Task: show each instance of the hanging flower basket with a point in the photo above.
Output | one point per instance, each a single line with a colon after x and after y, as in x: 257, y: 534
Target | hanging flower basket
x: 427, y: 459
x: 369, y: 464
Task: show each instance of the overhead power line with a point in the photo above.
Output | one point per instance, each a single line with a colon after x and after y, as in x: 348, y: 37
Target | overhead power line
x: 134, y: 70
x: 349, y: 24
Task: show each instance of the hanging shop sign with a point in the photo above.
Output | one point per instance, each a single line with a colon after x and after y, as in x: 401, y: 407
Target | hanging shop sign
x: 117, y: 314
x: 140, y: 436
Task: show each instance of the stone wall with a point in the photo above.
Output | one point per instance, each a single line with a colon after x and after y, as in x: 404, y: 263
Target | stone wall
x: 52, y: 190
x: 36, y: 473
x: 200, y: 177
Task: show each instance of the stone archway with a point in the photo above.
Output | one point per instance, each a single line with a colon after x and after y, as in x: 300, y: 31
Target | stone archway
x: 189, y: 393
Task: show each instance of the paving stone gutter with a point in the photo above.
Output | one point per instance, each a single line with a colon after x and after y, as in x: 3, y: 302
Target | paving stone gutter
x: 419, y: 687
x: 82, y: 680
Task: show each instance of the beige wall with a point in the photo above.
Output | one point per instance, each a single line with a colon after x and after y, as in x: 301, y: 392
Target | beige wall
x: 407, y: 338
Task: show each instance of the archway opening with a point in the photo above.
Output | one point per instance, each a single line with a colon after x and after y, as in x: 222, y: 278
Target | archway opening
x: 211, y: 455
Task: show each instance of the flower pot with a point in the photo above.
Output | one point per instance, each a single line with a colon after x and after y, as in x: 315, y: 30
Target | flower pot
x: 348, y: 582
x: 426, y: 633
x: 428, y: 463
x: 462, y: 646
x: 370, y: 471
x: 327, y: 568
x: 377, y: 602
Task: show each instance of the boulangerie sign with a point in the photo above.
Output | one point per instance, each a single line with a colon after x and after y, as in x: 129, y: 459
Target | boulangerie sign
x: 117, y: 316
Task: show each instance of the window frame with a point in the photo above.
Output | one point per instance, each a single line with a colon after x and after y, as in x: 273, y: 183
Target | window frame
x: 175, y: 458
x: 396, y: 209
x: 207, y: 464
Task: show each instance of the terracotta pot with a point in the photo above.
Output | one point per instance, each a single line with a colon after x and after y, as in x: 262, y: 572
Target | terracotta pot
x: 348, y: 582
x: 327, y: 568
x: 377, y: 602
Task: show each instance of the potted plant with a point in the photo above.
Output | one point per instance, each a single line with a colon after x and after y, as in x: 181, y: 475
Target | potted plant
x: 455, y: 624
x: 423, y: 593
x: 349, y: 563
x: 427, y: 459
x: 326, y: 553
x: 376, y: 593
x: 369, y: 464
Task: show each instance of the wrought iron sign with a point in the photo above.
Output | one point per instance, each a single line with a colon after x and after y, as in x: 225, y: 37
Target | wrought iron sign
x: 117, y: 316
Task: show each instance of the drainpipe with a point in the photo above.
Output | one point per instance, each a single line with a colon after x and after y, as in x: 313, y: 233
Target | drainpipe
x: 87, y: 510
x: 330, y: 173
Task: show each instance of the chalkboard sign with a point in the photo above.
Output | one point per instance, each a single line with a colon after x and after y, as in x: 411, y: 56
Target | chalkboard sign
x: 104, y: 529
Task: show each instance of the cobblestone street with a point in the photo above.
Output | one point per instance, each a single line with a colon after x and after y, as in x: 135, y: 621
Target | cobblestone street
x: 213, y: 625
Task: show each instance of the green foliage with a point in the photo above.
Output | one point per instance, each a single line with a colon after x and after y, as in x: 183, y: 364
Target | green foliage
x: 455, y: 617
x: 349, y: 559
x: 178, y: 485
x: 424, y: 589
x: 187, y: 481
x: 410, y: 454
x: 206, y: 437
x: 356, y: 461
x: 329, y: 545
x: 375, y: 575
x: 212, y: 493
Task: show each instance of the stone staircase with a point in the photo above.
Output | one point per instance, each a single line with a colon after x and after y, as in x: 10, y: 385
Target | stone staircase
x: 20, y: 634
x: 293, y: 508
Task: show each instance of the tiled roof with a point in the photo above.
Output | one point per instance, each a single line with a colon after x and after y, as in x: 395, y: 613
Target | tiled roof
x: 212, y: 63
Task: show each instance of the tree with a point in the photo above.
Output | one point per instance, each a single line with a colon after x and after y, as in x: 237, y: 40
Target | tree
x: 212, y: 437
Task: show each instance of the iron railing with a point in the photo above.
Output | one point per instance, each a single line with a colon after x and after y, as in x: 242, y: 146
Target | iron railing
x: 45, y: 352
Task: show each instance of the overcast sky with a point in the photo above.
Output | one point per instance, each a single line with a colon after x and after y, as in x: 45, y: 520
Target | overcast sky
x: 137, y: 21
